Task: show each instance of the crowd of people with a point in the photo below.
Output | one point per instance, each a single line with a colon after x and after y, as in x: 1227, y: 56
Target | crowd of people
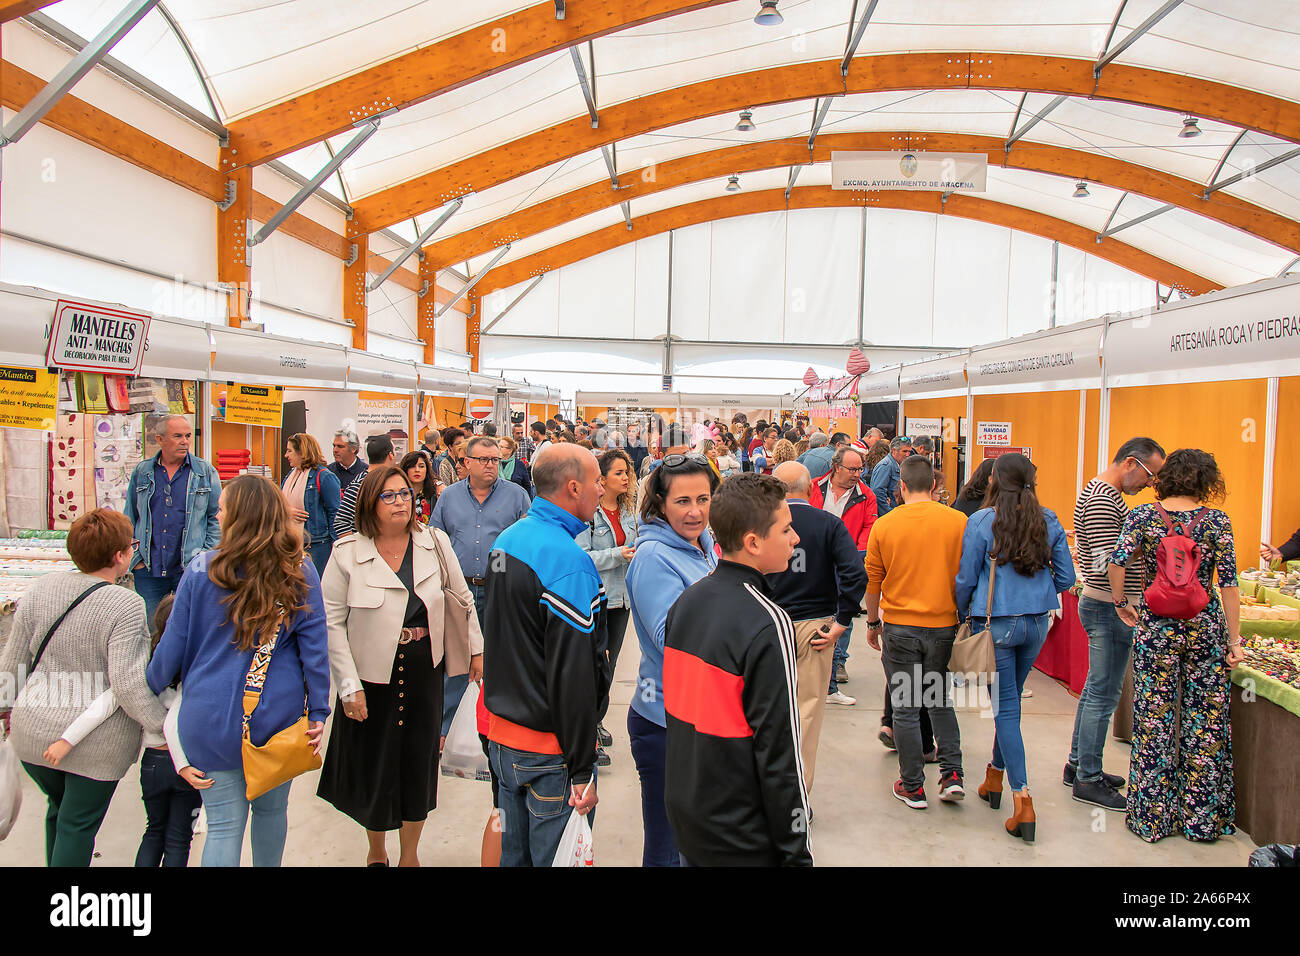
x: 740, y: 557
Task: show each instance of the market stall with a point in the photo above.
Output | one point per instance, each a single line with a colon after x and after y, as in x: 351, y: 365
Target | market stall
x: 934, y: 402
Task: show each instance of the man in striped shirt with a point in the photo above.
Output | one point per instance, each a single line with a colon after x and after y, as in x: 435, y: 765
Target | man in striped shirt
x: 1098, y: 516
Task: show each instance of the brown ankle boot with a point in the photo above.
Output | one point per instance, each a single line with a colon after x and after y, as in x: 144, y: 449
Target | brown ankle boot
x: 990, y: 791
x: 1022, y: 823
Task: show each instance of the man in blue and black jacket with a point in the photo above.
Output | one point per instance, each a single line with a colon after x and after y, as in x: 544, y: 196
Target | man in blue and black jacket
x: 545, y: 674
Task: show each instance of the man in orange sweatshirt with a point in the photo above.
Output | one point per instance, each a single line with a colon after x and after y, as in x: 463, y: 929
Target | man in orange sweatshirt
x: 912, y: 559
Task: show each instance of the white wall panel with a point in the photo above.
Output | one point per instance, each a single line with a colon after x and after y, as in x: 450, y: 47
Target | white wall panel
x: 538, y: 313
x: 651, y: 287
x: 1112, y: 288
x: 1029, y: 294
x: 1071, y: 286
x: 597, y: 295
x: 747, y: 294
x: 294, y: 274
x: 293, y: 325
x: 899, y: 277
x: 821, y: 295
x: 972, y: 262
x: 392, y: 310
x: 692, y: 267
x: 449, y: 329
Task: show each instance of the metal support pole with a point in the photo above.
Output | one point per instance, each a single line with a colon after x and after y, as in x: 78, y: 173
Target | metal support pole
x: 1270, y: 458
x: 819, y: 117
x: 474, y: 281
x: 559, y: 9
x: 862, y: 279
x: 668, y: 318
x: 1035, y: 120
x: 506, y: 311
x: 366, y: 129
x: 1111, y: 217
x: 1056, y: 257
x: 1248, y: 173
x: 857, y: 37
x: 74, y: 70
x: 1107, y: 233
x: 414, y: 247
x: 1289, y: 266
x: 587, y: 93
x: 794, y: 174
x: 1020, y: 108
x: 627, y: 213
x: 1218, y: 167
x: 611, y: 161
x: 1128, y: 41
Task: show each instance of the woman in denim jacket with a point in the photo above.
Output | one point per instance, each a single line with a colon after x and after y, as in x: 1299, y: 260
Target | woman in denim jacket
x: 609, y: 539
x: 1033, y: 565
x: 313, y: 495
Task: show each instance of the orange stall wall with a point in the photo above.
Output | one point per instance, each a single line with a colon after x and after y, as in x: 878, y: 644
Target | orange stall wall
x: 1226, y: 419
x: 1047, y: 422
x: 951, y: 409
x: 228, y: 435
x: 1286, y: 462
x: 1092, y: 466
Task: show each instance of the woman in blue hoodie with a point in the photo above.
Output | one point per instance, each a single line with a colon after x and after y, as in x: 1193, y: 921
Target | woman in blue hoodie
x: 673, y: 550
x: 1034, y: 564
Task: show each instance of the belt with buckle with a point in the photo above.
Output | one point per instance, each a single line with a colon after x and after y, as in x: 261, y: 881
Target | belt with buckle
x: 477, y: 582
x: 410, y: 634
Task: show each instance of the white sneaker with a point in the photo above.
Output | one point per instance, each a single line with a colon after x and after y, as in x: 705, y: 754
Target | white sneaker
x: 839, y: 697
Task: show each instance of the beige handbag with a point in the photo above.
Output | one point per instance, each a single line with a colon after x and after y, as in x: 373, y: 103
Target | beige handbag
x: 972, y: 651
x: 455, y: 619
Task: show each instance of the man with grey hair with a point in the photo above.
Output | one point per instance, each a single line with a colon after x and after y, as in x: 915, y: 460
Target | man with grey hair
x: 886, y: 476
x: 546, y: 675
x: 472, y: 513
x: 347, y: 465
x: 821, y: 590
x: 817, y: 459
x: 172, y: 501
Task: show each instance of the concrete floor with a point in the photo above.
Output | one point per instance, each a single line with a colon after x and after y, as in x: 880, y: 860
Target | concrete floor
x: 857, y: 820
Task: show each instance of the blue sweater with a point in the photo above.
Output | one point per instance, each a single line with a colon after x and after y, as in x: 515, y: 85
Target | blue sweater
x: 665, y: 565
x: 198, y: 646
x: 1013, y: 593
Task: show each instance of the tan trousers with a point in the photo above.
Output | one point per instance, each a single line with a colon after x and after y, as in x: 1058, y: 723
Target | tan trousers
x: 813, y: 670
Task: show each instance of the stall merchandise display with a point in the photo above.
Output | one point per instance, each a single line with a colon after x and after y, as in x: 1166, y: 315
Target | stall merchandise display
x: 24, y: 559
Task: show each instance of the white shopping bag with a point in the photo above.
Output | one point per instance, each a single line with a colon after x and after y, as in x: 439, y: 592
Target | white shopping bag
x: 575, y: 843
x: 11, y: 788
x: 462, y: 755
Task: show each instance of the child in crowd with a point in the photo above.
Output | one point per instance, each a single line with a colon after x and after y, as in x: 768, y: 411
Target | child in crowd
x: 171, y: 799
x: 734, y: 782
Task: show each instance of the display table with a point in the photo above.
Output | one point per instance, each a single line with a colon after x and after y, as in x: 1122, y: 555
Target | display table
x: 1064, y: 656
x: 1265, y: 752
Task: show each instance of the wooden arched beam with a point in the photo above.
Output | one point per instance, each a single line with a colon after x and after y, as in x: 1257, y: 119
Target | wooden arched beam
x: 804, y: 81
x: 820, y: 197
x: 450, y: 63
x: 1072, y: 164
x: 20, y: 8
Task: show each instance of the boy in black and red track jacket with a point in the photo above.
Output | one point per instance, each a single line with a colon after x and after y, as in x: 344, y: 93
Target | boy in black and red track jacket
x: 734, y: 779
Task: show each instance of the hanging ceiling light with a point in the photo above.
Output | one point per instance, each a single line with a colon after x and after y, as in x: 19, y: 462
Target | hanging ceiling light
x: 769, y: 15
x: 1081, y: 190
x: 733, y: 184
x: 746, y: 121
x: 1190, y: 128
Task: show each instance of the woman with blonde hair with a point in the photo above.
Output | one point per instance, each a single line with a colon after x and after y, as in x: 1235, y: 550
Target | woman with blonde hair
x: 783, y: 451
x: 709, y: 449
x: 255, y: 590
x: 386, y: 593
x: 313, y: 494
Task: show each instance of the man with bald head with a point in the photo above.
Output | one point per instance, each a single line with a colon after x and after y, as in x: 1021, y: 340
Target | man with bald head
x: 822, y: 591
x: 545, y: 673
x: 172, y: 502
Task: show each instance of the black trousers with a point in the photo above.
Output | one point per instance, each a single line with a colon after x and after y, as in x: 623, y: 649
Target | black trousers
x: 170, y: 805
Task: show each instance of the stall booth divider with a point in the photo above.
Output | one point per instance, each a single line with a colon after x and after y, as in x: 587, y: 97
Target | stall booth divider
x: 937, y: 388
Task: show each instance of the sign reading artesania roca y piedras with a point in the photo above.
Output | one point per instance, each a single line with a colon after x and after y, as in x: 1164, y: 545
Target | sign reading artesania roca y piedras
x: 91, y: 338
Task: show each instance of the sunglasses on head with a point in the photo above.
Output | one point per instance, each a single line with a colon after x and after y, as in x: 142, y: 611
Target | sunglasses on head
x: 676, y: 461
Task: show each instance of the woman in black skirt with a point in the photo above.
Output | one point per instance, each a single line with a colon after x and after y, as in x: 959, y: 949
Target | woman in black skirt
x: 385, y: 605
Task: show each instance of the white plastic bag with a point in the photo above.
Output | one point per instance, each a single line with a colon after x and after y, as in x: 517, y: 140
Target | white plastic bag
x: 11, y: 788
x: 575, y: 843
x: 462, y: 755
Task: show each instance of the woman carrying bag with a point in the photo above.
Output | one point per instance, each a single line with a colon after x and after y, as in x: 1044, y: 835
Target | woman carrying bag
x: 1026, y: 545
x: 80, y: 623
x: 313, y: 494
x: 400, y: 614
x: 246, y: 638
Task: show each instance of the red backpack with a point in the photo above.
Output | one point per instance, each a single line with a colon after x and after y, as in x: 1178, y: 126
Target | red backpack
x: 1177, y: 591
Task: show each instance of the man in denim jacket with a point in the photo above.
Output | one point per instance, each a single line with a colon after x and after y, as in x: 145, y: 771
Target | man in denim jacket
x: 172, y: 503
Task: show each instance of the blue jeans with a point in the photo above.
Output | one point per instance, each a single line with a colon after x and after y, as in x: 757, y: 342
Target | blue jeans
x: 153, y: 590
x: 319, y: 552
x: 838, y: 659
x: 1016, y: 642
x: 1110, y: 644
x: 453, y: 688
x: 533, y: 799
x: 649, y: 745
x: 228, y: 808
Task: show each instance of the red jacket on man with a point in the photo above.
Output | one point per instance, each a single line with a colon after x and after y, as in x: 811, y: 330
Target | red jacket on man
x: 859, y: 511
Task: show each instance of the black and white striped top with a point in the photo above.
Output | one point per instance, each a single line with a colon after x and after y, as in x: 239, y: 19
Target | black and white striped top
x: 1098, y: 516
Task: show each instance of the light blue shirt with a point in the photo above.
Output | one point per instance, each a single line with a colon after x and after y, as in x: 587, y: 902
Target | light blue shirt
x: 473, y: 527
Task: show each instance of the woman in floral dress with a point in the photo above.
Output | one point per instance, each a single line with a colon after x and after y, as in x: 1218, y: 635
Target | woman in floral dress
x: 1180, y: 779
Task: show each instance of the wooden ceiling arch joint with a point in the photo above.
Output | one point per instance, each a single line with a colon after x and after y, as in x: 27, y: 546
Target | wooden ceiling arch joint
x: 439, y: 67
x: 804, y: 81
x: 821, y: 197
x: 1069, y: 164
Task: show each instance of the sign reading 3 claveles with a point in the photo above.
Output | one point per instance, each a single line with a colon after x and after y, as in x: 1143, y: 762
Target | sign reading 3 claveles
x: 93, y: 338
x: 255, y: 405
x: 912, y: 170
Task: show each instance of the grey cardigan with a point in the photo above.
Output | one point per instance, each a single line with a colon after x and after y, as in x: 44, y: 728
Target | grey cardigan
x: 102, y: 645
x: 598, y: 541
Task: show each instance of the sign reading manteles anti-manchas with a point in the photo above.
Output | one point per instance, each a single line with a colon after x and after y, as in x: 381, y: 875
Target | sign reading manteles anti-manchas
x: 993, y: 433
x: 91, y: 338
x: 909, y: 170
x: 255, y: 405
